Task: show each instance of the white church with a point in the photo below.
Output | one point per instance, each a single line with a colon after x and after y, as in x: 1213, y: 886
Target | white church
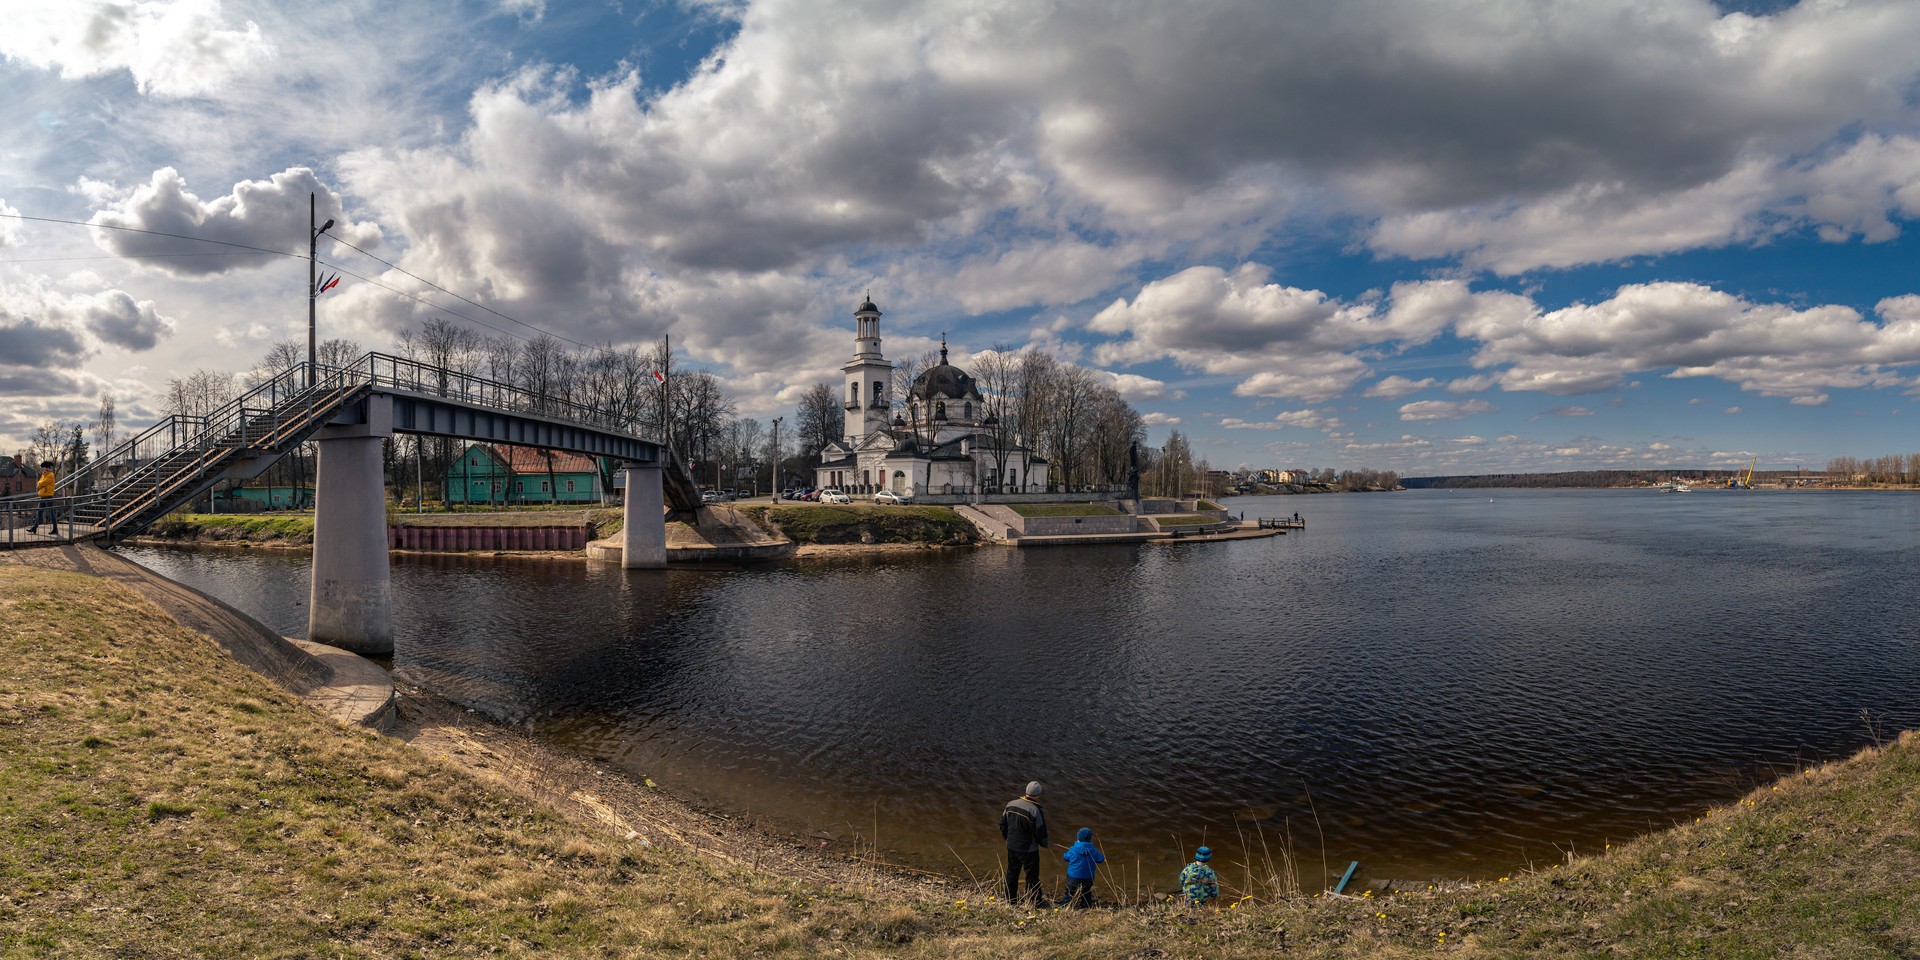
x: 942, y: 446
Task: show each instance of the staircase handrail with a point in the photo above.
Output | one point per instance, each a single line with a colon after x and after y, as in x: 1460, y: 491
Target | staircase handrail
x: 186, y: 431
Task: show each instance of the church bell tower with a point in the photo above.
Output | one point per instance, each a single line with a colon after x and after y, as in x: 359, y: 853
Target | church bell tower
x: 867, y: 376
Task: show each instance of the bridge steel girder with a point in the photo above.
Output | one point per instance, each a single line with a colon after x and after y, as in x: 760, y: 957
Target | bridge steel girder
x: 439, y: 417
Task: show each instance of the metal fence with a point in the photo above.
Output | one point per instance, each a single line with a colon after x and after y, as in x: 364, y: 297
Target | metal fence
x: 35, y: 520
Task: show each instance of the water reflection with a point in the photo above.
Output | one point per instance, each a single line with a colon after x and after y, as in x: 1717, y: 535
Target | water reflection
x: 1437, y: 684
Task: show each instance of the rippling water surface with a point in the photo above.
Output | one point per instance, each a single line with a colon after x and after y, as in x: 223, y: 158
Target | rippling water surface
x: 1434, y: 683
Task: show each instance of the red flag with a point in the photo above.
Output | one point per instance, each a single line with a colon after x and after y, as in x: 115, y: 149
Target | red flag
x: 331, y: 284
x: 657, y: 375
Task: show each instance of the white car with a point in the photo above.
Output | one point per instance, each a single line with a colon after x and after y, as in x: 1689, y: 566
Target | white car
x: 833, y: 495
x: 897, y: 499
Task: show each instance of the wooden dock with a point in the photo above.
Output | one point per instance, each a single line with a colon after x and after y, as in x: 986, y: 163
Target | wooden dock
x: 1282, y: 523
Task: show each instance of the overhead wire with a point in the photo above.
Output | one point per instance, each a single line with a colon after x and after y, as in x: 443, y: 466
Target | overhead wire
x: 427, y: 303
x: 391, y: 266
x: 256, y: 251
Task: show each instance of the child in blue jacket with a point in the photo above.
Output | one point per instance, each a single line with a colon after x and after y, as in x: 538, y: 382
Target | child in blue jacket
x: 1081, y: 858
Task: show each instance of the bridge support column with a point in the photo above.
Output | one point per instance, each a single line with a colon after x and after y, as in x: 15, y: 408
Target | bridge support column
x: 644, y: 538
x: 351, y: 605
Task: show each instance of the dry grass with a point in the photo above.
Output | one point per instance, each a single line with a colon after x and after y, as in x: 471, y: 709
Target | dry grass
x: 158, y: 800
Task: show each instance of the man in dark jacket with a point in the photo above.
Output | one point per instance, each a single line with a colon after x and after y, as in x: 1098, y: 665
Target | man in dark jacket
x: 1024, y: 825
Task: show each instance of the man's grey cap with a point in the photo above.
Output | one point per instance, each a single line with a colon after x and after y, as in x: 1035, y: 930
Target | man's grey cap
x: 1034, y: 788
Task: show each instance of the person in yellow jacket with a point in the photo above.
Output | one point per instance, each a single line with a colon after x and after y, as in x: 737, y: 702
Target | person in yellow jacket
x: 45, y: 488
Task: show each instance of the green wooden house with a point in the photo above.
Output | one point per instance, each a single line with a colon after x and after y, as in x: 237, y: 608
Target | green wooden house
x: 504, y: 474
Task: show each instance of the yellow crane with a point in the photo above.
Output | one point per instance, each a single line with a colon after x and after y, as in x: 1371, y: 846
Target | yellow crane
x: 1746, y: 482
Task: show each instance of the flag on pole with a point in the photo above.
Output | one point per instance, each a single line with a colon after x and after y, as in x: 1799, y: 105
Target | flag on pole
x: 331, y: 283
x: 657, y: 375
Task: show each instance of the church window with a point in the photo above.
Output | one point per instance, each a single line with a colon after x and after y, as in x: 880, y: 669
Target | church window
x: 853, y: 392
x: 879, y: 393
x: 939, y: 409
x: 1013, y: 478
x: 966, y: 410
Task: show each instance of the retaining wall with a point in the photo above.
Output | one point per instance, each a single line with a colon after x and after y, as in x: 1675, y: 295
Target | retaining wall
x: 488, y: 538
x: 1069, y: 526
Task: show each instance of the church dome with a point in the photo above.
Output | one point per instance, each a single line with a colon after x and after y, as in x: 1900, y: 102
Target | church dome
x: 945, y: 380
x: 866, y: 307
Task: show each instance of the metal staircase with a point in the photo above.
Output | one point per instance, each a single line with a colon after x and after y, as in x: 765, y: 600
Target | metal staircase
x: 166, y: 466
x: 179, y: 458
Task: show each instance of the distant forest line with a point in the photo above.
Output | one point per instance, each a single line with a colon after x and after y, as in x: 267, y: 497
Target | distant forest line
x: 1588, y: 478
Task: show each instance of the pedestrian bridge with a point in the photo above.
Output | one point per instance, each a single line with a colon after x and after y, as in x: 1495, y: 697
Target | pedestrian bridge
x: 347, y: 411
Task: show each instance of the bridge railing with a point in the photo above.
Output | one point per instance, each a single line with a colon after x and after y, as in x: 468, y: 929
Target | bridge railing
x: 413, y: 376
x: 285, y: 397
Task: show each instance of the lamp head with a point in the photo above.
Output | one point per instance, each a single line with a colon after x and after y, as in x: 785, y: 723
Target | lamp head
x: 324, y: 227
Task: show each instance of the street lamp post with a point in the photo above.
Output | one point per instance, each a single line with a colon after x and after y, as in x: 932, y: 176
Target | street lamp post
x: 313, y: 282
x: 773, y: 480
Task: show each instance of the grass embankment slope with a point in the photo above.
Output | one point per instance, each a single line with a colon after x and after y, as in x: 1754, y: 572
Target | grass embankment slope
x: 157, y: 800
x: 1064, y: 510
x: 864, y: 523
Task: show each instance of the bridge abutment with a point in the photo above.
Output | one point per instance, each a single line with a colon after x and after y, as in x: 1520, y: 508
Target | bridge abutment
x: 351, y: 605
x: 644, y: 538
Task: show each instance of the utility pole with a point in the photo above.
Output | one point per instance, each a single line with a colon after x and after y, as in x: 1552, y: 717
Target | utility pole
x: 773, y: 481
x: 313, y: 281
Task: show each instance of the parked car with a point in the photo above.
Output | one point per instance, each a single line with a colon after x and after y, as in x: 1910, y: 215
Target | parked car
x: 897, y: 499
x: 711, y: 496
x: 833, y: 495
x: 790, y: 493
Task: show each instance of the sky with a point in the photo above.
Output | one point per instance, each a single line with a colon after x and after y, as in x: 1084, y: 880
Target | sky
x: 1460, y: 236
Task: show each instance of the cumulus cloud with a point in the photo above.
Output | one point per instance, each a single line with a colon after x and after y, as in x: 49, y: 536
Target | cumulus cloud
x: 1395, y: 387
x: 1690, y: 330
x: 1235, y: 423
x: 1570, y: 412
x: 1159, y: 419
x: 10, y: 235
x: 1308, y: 419
x: 1286, y: 341
x: 1132, y: 387
x: 1445, y: 409
x: 46, y: 335
x: 183, y: 48
x: 269, y: 214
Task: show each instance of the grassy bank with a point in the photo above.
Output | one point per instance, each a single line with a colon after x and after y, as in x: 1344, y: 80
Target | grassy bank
x: 864, y: 523
x: 158, y: 800
x: 291, y: 529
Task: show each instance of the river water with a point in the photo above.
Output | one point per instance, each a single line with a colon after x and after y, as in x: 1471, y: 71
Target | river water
x: 1437, y: 684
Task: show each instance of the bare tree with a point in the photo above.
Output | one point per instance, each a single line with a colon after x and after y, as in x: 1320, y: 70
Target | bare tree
x: 104, y: 424
x: 997, y: 373
x: 820, y: 420
x: 1114, y: 428
x: 338, y: 352
x: 919, y: 418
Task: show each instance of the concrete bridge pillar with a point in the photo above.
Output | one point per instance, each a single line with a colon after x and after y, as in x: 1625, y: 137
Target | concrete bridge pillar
x: 351, y: 605
x: 644, y: 538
